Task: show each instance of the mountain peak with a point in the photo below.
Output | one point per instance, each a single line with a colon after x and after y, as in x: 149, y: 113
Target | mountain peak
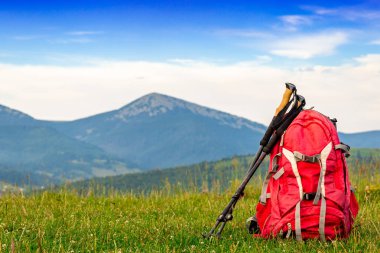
x: 11, y: 116
x: 155, y: 100
x: 156, y: 95
x: 151, y: 104
x: 155, y: 104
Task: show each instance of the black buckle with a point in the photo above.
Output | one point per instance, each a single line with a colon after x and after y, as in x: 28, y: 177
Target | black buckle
x: 252, y: 225
x: 312, y: 159
x: 305, y: 158
x: 309, y: 196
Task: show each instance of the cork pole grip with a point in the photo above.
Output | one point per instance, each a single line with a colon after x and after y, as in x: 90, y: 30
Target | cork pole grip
x: 285, y: 99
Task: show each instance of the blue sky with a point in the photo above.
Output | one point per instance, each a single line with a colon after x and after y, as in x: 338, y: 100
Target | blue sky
x: 68, y: 59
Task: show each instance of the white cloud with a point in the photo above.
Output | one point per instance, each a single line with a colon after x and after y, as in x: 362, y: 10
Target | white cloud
x: 245, y: 33
x: 81, y: 33
x: 352, y: 13
x: 375, y: 42
x: 71, y: 41
x: 263, y: 59
x: 308, y: 46
x: 27, y: 37
x: 320, y: 10
x: 293, y: 22
x: 348, y: 92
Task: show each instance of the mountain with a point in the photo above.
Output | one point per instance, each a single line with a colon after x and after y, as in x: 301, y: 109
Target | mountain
x: 158, y: 131
x: 33, y: 153
x: 154, y: 131
x: 370, y: 139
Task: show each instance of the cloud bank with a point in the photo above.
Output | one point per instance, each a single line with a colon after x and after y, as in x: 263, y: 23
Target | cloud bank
x: 249, y: 89
x: 308, y: 46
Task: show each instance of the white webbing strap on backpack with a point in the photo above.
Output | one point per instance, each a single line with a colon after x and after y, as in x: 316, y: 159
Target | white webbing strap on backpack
x: 321, y: 191
x: 264, y: 195
x: 290, y: 156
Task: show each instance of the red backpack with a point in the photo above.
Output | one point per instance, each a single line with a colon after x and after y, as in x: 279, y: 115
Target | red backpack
x: 307, y: 192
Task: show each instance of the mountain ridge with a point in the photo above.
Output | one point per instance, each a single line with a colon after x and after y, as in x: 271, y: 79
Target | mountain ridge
x: 11, y: 116
x: 155, y: 131
x: 162, y: 103
x: 34, y: 152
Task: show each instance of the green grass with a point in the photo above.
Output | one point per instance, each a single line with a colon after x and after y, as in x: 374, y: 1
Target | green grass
x: 169, y: 220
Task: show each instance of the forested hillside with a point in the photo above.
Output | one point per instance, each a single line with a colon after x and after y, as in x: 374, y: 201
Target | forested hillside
x: 207, y: 176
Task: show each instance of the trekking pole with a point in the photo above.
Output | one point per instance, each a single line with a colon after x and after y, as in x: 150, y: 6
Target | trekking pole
x: 278, y: 125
